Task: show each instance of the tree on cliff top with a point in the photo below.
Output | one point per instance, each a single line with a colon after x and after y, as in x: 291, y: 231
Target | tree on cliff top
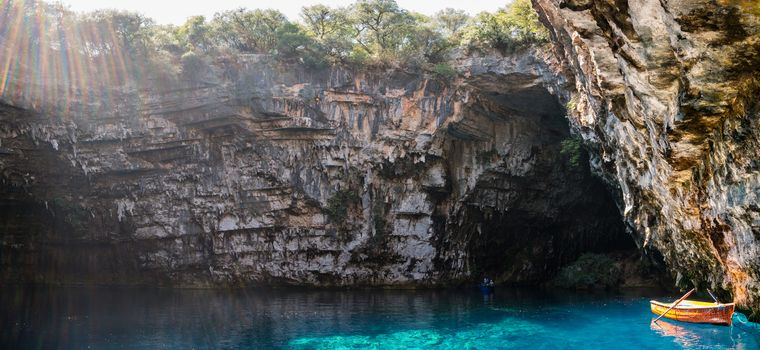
x: 121, y: 45
x: 248, y: 30
x: 508, y: 29
x: 322, y: 21
x: 451, y: 21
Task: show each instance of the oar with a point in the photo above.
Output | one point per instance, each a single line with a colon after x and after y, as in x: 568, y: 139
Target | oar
x: 712, y: 296
x: 676, y: 303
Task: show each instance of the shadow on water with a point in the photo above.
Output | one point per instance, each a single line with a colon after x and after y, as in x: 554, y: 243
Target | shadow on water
x: 133, y: 318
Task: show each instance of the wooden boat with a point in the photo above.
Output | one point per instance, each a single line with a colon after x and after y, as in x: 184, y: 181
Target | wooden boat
x: 695, y: 311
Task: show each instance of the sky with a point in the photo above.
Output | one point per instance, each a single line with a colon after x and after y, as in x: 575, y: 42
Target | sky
x: 177, y: 11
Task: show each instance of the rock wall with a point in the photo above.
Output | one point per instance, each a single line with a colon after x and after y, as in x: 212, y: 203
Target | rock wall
x: 274, y: 173
x: 666, y: 97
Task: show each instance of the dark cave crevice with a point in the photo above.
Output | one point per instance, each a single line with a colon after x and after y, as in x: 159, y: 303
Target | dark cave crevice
x: 552, y: 215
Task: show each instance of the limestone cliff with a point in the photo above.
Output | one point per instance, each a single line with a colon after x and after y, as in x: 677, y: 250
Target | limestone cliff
x: 666, y: 96
x: 276, y: 173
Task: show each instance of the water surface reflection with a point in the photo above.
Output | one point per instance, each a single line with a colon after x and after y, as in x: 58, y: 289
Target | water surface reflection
x: 130, y: 318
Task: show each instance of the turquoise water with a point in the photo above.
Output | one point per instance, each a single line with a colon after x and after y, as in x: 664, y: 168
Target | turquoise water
x: 106, y: 318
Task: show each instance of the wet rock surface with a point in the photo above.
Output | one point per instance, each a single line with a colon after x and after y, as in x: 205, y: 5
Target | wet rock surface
x: 272, y: 173
x: 666, y: 96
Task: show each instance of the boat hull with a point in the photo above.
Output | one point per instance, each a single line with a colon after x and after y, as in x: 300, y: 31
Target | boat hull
x: 485, y: 290
x: 695, y: 312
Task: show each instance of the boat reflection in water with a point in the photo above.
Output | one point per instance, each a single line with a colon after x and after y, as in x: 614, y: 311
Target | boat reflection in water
x: 683, y: 336
x: 690, y: 336
x: 44, y: 317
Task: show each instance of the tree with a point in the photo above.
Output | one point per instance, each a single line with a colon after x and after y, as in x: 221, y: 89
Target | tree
x: 488, y: 30
x: 322, y: 21
x: 379, y: 25
x: 424, y: 41
x: 118, y: 45
x: 119, y: 31
x: 507, y: 29
x: 194, y: 66
x: 195, y: 33
x: 523, y: 20
x: 248, y: 31
x: 332, y: 31
x: 451, y: 20
x: 167, y: 38
x: 291, y: 38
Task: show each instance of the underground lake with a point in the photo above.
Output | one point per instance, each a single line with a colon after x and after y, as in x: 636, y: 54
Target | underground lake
x: 344, y: 175
x: 135, y: 318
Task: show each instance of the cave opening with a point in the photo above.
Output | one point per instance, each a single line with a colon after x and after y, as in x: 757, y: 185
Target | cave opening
x: 536, y: 208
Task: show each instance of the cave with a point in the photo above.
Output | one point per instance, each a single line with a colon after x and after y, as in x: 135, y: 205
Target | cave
x: 500, y: 188
x: 367, y: 176
x: 520, y: 227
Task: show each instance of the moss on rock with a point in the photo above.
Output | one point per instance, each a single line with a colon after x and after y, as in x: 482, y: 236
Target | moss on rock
x: 590, y: 271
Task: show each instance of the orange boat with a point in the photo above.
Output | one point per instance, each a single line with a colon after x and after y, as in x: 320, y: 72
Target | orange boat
x: 695, y: 311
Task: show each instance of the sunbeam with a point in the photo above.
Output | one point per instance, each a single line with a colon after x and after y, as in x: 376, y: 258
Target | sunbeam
x: 54, y: 60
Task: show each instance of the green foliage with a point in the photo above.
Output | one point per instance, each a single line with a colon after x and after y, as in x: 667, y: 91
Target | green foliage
x: 324, y: 22
x: 571, y: 149
x: 167, y: 38
x: 130, y: 31
x: 332, y: 33
x: 426, y: 43
x: 508, y: 29
x: 488, y: 30
x: 444, y: 71
x: 379, y: 24
x: 193, y: 66
x: 291, y: 38
x: 523, y: 21
x: 338, y: 204
x: 103, y: 47
x: 572, y: 104
x: 358, y: 56
x: 590, y: 271
x: 378, y: 31
x: 248, y: 30
x: 451, y: 21
x: 366, y: 32
x: 195, y: 34
x: 381, y: 27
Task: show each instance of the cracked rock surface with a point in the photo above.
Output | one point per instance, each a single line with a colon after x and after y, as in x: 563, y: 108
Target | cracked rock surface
x: 666, y: 96
x: 273, y: 173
